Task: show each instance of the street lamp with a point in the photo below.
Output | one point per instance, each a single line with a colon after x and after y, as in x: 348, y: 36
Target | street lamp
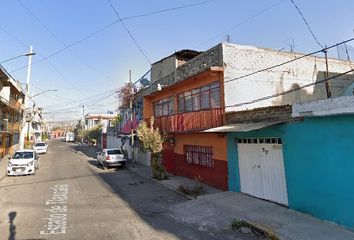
x: 48, y: 90
x: 22, y: 55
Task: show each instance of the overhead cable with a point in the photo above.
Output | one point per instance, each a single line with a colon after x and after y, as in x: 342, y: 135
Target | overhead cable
x: 308, y: 26
x: 287, y: 62
x: 289, y: 91
x: 129, y: 33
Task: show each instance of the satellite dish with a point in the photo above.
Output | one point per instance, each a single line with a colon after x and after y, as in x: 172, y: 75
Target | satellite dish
x: 145, y: 82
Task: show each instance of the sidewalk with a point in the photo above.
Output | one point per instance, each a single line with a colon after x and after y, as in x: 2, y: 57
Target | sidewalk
x: 3, y: 166
x: 217, y: 209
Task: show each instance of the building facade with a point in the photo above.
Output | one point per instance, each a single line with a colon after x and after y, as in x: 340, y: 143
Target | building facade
x: 200, y: 101
x: 11, y: 112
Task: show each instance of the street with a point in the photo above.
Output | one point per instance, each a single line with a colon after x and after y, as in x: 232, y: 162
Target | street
x: 69, y: 197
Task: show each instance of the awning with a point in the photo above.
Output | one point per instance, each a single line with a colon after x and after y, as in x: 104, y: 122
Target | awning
x: 242, y: 127
x: 128, y: 126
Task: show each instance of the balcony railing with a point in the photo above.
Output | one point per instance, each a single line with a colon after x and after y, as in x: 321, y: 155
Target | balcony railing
x: 202, y: 62
x: 6, y: 126
x: 191, y: 121
x: 13, y: 127
x: 15, y: 104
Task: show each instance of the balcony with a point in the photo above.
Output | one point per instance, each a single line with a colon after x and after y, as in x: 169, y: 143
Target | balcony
x: 201, y: 63
x: 16, y: 105
x: 14, y: 127
x: 191, y: 121
x: 3, y: 125
x: 6, y: 126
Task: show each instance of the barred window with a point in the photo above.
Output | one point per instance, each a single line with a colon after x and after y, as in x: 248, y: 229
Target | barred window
x: 199, y: 155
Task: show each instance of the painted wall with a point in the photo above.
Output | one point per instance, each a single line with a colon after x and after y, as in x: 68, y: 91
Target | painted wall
x: 216, y: 176
x: 188, y: 84
x: 240, y: 60
x: 319, y: 165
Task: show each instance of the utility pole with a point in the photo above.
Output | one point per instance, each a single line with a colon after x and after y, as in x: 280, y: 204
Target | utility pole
x: 82, y: 122
x: 131, y: 117
x: 328, y: 90
x: 27, y: 98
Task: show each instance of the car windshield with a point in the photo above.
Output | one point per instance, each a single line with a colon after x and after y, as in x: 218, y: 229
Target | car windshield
x: 114, y: 151
x: 39, y: 145
x: 21, y: 155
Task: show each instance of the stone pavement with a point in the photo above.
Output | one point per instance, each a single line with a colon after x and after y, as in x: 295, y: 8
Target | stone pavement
x: 217, y: 209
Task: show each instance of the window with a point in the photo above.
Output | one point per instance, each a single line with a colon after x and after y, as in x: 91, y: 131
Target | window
x: 205, y: 97
x: 199, y: 155
x: 164, y: 107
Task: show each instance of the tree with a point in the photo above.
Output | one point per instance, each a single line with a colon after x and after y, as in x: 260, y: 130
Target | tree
x: 152, y: 141
x: 125, y: 93
x: 117, y: 120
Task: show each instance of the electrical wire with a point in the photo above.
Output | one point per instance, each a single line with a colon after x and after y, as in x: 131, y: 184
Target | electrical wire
x: 129, y: 33
x: 166, y: 10
x: 287, y: 62
x: 241, y: 22
x: 62, y: 42
x: 289, y: 91
x: 307, y: 24
x: 103, y: 29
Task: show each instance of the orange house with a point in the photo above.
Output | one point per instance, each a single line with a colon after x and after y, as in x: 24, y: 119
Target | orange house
x: 184, y: 109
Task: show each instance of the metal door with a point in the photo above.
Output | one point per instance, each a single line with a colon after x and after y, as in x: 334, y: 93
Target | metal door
x: 261, y: 168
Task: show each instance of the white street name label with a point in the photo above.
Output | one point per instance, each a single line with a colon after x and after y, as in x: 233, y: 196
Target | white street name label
x: 57, y: 209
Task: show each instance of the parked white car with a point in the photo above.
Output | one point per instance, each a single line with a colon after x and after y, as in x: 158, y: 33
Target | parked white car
x: 23, y: 162
x: 40, y: 147
x: 111, y: 158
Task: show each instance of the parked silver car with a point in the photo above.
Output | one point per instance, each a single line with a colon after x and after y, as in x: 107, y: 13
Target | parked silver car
x: 112, y: 157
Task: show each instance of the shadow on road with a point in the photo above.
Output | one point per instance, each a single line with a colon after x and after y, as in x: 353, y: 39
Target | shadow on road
x: 12, y: 227
x: 149, y: 199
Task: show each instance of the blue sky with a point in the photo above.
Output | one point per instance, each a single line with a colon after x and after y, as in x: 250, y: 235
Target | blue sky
x: 82, y: 73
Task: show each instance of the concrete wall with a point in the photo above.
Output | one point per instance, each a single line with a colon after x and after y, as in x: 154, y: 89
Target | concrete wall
x: 163, y: 68
x: 319, y: 165
x: 241, y: 60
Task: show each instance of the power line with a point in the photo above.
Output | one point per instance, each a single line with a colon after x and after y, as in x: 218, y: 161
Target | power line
x: 287, y: 62
x: 129, y: 33
x: 70, y: 45
x: 241, y: 22
x: 104, y: 28
x: 167, y: 10
x: 308, y: 26
x: 59, y: 40
x: 289, y: 91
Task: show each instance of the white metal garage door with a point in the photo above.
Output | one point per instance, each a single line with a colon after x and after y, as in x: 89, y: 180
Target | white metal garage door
x: 261, y: 167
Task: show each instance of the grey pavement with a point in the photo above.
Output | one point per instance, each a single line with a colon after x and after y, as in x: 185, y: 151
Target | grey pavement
x: 93, y: 203
x: 216, y: 210
x: 3, y: 165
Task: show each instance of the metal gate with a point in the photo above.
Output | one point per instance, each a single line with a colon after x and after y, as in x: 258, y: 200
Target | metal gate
x: 261, y: 167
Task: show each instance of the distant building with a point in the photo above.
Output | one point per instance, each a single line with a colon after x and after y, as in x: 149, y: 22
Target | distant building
x: 93, y: 120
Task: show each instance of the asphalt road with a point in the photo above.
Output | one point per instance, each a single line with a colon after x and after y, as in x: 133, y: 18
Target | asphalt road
x: 71, y: 198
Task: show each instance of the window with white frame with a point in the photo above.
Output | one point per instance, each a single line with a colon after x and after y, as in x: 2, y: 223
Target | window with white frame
x: 205, y: 97
x: 163, y: 107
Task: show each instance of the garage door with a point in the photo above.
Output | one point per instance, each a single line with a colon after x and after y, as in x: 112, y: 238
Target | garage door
x: 261, y: 167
